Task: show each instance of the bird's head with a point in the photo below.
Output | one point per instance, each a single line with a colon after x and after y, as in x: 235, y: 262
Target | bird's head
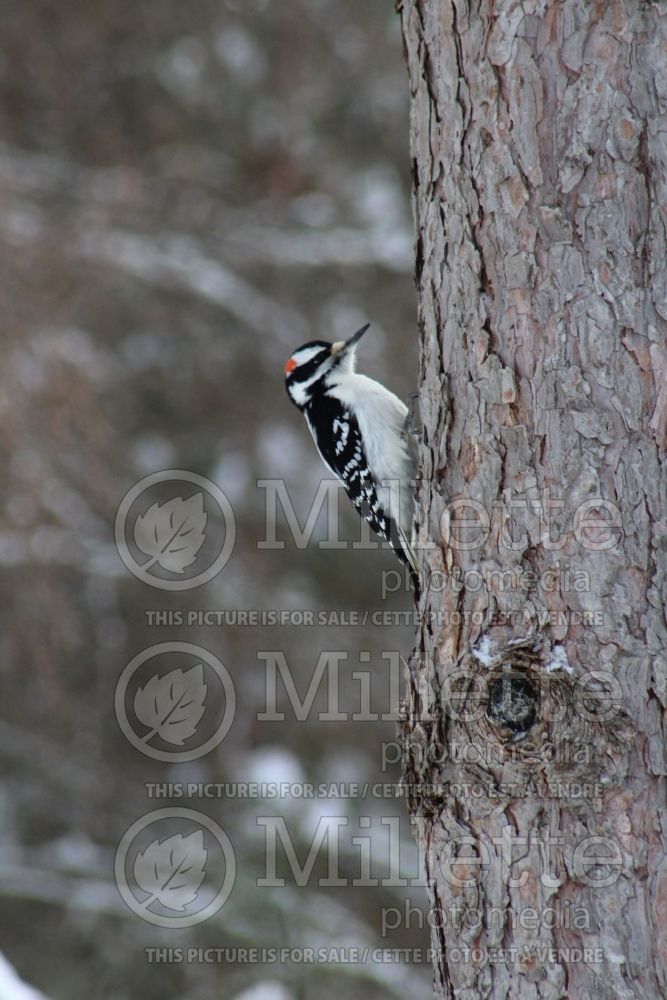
x: 311, y: 366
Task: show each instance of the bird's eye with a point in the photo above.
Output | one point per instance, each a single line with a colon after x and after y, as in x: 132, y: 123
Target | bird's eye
x: 290, y: 366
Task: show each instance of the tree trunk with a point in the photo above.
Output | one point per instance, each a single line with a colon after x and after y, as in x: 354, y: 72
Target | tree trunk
x: 535, y: 719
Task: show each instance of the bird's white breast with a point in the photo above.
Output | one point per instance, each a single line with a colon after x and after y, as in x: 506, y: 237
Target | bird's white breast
x: 381, y: 417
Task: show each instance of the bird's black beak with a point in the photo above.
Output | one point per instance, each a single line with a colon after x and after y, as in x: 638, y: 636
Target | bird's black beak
x: 343, y: 346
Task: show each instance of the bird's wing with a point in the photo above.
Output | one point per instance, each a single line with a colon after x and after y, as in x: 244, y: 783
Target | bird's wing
x: 343, y: 453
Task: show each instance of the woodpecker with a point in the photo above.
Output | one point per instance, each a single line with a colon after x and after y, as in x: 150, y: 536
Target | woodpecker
x: 360, y: 433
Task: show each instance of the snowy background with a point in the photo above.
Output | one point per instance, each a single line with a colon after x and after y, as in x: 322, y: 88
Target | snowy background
x: 189, y: 191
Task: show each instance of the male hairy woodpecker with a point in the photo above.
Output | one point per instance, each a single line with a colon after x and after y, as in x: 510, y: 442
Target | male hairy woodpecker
x: 360, y: 433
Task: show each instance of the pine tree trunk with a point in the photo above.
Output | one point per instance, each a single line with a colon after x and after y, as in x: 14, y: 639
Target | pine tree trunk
x: 535, y: 720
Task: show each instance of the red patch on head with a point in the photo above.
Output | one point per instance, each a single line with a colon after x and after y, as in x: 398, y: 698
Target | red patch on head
x: 290, y: 366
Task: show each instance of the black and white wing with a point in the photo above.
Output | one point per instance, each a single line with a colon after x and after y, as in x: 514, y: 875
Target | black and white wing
x: 338, y: 438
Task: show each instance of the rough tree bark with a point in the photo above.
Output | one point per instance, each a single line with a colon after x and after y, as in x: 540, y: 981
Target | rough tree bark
x: 535, y: 717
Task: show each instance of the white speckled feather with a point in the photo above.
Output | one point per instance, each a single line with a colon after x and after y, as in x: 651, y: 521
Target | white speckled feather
x: 381, y: 416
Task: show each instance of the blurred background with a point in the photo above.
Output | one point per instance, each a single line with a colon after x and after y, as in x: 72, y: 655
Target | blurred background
x: 189, y: 192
